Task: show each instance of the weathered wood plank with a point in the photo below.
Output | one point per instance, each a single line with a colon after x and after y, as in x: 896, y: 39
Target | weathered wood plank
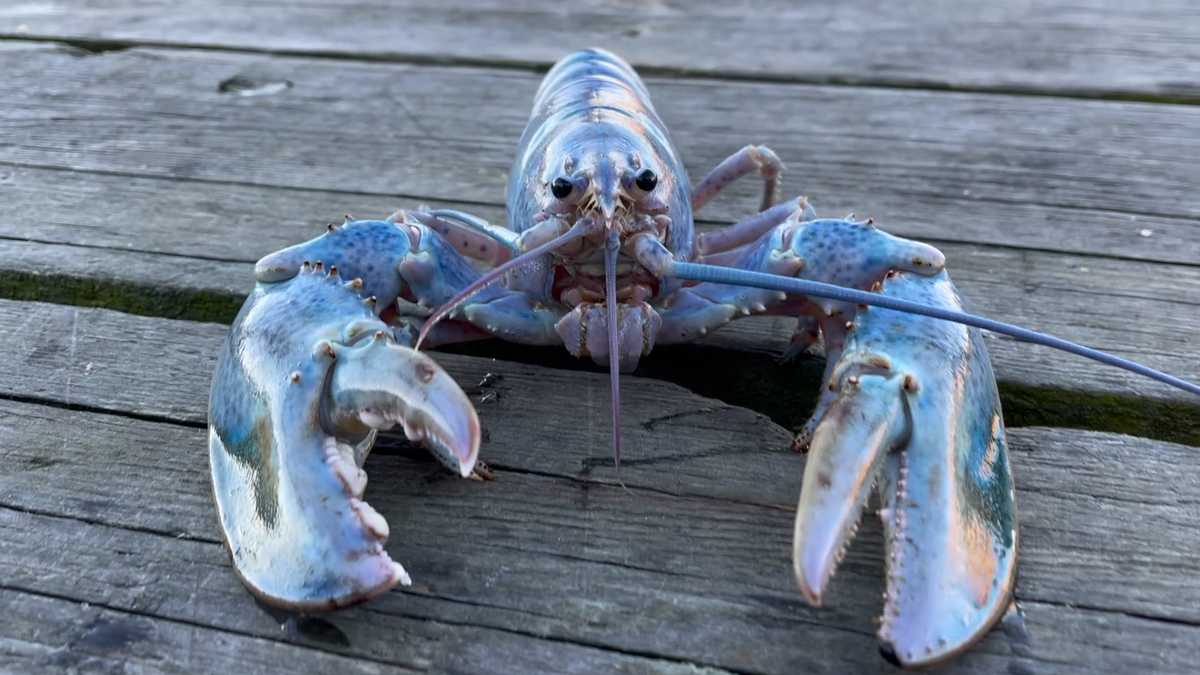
x: 576, y: 562
x: 680, y: 444
x: 474, y: 563
x: 551, y: 568
x: 1031, y: 172
x: 48, y: 634
x: 187, y: 221
x: 1099, y: 47
x: 45, y: 634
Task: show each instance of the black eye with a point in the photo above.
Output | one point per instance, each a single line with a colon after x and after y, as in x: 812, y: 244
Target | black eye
x: 560, y: 188
x: 646, y: 180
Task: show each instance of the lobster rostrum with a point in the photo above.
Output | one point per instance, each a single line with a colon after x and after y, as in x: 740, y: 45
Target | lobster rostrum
x: 600, y: 255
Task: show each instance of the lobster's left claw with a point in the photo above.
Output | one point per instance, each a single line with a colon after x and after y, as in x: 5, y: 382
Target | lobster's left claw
x: 912, y: 407
x: 306, y: 375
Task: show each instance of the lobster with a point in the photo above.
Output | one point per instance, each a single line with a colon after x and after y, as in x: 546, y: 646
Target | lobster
x: 600, y: 255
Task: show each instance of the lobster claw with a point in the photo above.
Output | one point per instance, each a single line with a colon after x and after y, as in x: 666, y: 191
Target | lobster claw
x: 303, y: 380
x: 914, y: 410
x: 381, y: 384
x: 845, y: 460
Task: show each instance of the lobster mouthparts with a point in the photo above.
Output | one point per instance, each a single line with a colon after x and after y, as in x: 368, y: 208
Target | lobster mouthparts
x: 306, y: 376
x: 912, y: 408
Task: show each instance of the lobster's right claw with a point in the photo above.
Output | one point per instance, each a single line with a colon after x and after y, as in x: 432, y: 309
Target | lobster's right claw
x: 305, y: 377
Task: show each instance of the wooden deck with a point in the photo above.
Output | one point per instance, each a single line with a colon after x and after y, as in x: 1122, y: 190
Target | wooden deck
x: 150, y: 151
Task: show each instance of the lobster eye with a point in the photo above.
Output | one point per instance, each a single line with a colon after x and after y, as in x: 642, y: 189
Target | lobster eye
x: 560, y: 188
x: 646, y: 180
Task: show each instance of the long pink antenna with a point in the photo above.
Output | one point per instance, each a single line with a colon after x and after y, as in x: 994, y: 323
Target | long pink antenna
x: 611, y: 247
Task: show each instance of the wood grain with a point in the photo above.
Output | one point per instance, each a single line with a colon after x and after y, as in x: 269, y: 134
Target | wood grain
x: 682, y: 445
x: 1092, y: 48
x: 545, y: 567
x: 80, y: 358
x: 52, y: 634
x: 1104, y: 178
x: 232, y: 209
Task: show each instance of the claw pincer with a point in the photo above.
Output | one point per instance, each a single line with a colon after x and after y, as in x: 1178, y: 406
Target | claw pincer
x: 912, y: 408
x: 306, y: 375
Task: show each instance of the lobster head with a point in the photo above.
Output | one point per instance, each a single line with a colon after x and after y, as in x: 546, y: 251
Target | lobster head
x: 619, y: 175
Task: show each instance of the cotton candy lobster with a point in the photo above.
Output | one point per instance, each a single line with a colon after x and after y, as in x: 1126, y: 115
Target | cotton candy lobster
x: 600, y: 256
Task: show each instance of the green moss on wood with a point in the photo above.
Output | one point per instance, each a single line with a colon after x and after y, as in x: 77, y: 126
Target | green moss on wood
x: 123, y: 296
x: 1027, y: 406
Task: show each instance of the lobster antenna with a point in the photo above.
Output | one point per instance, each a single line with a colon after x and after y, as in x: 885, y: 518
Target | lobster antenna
x: 611, y: 246
x: 577, y: 230
x: 736, y: 277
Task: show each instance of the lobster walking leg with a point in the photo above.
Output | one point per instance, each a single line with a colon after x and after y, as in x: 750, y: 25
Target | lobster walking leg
x: 716, y: 242
x: 750, y: 159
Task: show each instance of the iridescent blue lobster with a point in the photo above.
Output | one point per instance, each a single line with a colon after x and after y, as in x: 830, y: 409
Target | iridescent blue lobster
x: 600, y: 255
